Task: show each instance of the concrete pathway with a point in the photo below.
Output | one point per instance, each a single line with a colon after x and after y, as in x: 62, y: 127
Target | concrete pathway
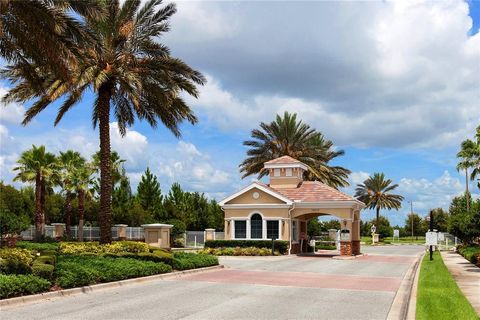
x: 466, y: 275
x: 285, y: 287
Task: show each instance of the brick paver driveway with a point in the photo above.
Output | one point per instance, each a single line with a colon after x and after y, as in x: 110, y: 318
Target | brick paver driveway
x: 287, y: 287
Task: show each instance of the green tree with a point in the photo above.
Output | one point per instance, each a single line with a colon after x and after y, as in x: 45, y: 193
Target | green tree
x: 122, y: 202
x: 289, y: 136
x: 130, y: 73
x: 440, y: 220
x: 149, y: 194
x: 463, y: 223
x: 414, y: 223
x: 314, y: 227
x: 19, y: 202
x: 38, y: 167
x: 375, y: 193
x: 331, y: 224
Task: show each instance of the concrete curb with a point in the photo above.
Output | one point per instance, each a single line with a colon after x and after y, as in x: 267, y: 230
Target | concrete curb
x: 101, y: 286
x: 401, y: 306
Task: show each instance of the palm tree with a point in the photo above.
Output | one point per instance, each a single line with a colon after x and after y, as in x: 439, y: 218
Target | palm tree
x: 469, y: 156
x: 130, y: 73
x: 42, y: 31
x: 39, y: 167
x: 375, y: 193
x: 116, y: 168
x: 289, y: 136
x: 82, y: 180
x: 70, y: 161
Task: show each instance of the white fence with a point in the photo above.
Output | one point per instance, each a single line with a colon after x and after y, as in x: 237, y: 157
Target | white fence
x: 89, y: 233
x: 196, y: 239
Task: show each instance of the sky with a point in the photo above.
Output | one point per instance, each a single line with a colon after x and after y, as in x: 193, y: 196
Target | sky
x: 396, y: 84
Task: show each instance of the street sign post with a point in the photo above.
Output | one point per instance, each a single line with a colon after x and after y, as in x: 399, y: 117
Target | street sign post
x: 373, y: 229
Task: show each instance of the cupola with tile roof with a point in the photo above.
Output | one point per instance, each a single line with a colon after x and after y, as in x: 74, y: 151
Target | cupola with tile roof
x: 285, y: 172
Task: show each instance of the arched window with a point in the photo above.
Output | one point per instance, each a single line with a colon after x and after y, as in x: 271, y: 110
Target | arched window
x: 256, y: 227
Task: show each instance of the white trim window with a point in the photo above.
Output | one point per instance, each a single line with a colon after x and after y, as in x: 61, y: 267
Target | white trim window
x: 240, y: 229
x: 273, y: 229
x: 256, y: 226
x: 288, y: 172
x: 276, y: 172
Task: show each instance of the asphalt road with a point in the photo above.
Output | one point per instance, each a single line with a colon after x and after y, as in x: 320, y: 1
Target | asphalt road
x: 287, y: 287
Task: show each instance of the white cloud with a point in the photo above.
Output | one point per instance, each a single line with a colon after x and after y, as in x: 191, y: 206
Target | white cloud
x: 131, y: 147
x: 12, y: 112
x: 407, y: 76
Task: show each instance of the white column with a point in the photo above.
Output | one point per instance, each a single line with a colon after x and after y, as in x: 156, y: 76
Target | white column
x: 264, y: 229
x: 248, y: 228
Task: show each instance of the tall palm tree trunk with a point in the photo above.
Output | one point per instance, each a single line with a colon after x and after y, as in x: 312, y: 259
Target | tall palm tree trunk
x: 466, y: 189
x: 81, y: 211
x: 38, y: 207
x: 68, y: 214
x: 104, y: 94
x: 378, y: 217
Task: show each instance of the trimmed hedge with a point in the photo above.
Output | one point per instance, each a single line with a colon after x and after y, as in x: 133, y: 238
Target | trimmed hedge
x: 250, y: 251
x: 16, y: 285
x: 15, y: 261
x: 280, y: 245
x: 186, y: 261
x: 156, y: 256
x: 37, y: 246
x: 471, y: 253
x: 96, y: 248
x: 76, y: 271
x: 43, y: 270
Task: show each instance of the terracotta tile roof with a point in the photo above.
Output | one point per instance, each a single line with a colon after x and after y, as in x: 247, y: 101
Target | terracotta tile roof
x: 282, y: 160
x: 313, y: 191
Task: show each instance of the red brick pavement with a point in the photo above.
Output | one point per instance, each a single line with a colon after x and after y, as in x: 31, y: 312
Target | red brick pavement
x: 299, y: 279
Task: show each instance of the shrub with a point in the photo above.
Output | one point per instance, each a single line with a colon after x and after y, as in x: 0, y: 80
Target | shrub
x: 146, y: 256
x: 280, y: 245
x: 96, y: 248
x: 37, y: 246
x: 325, y: 246
x: 74, y: 271
x: 15, y: 261
x: 185, y: 261
x: 43, y: 270
x: 46, y: 260
x: 471, y: 253
x: 15, y: 285
x: 251, y: 251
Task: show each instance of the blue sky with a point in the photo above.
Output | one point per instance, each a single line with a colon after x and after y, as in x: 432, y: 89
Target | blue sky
x: 394, y: 84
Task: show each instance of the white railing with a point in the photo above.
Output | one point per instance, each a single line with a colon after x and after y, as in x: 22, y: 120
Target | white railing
x: 89, y: 233
x: 194, y: 239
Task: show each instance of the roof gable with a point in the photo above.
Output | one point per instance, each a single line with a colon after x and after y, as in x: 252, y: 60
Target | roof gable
x: 267, y: 196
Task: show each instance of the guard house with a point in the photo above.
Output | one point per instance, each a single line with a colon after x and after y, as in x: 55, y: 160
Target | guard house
x: 282, y: 208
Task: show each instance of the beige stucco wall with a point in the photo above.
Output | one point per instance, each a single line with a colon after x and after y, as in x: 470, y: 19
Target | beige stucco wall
x: 247, y: 198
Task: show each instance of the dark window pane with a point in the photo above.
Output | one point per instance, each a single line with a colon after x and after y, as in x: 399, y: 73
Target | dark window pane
x: 272, y: 229
x: 256, y: 226
x: 240, y: 229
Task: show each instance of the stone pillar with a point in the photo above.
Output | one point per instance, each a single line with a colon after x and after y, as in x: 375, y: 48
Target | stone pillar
x: 209, y: 234
x: 59, y: 230
x: 121, y: 231
x: 345, y: 248
x: 356, y: 233
x: 157, y: 234
x: 332, y: 234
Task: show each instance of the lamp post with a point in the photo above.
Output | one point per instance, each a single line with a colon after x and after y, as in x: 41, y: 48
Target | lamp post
x: 430, y: 220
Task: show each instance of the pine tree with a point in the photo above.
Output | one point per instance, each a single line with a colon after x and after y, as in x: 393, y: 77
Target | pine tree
x: 149, y: 194
x: 122, y: 201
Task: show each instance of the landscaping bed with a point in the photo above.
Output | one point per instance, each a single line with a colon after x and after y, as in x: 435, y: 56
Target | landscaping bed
x: 438, y: 295
x: 280, y: 245
x: 471, y: 253
x: 39, y: 267
x: 238, y: 251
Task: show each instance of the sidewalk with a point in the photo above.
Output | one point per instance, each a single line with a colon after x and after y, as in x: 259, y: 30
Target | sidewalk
x: 466, y: 275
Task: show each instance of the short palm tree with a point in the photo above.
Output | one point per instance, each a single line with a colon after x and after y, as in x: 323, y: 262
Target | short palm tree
x: 69, y: 161
x: 375, y: 193
x: 469, y: 158
x: 289, y: 136
x: 131, y: 74
x: 82, y: 181
x: 38, y: 167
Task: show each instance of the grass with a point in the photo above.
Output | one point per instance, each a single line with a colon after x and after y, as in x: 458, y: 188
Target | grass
x: 438, y: 295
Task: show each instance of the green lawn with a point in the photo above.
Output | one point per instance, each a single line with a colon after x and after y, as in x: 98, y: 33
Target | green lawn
x: 438, y: 295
